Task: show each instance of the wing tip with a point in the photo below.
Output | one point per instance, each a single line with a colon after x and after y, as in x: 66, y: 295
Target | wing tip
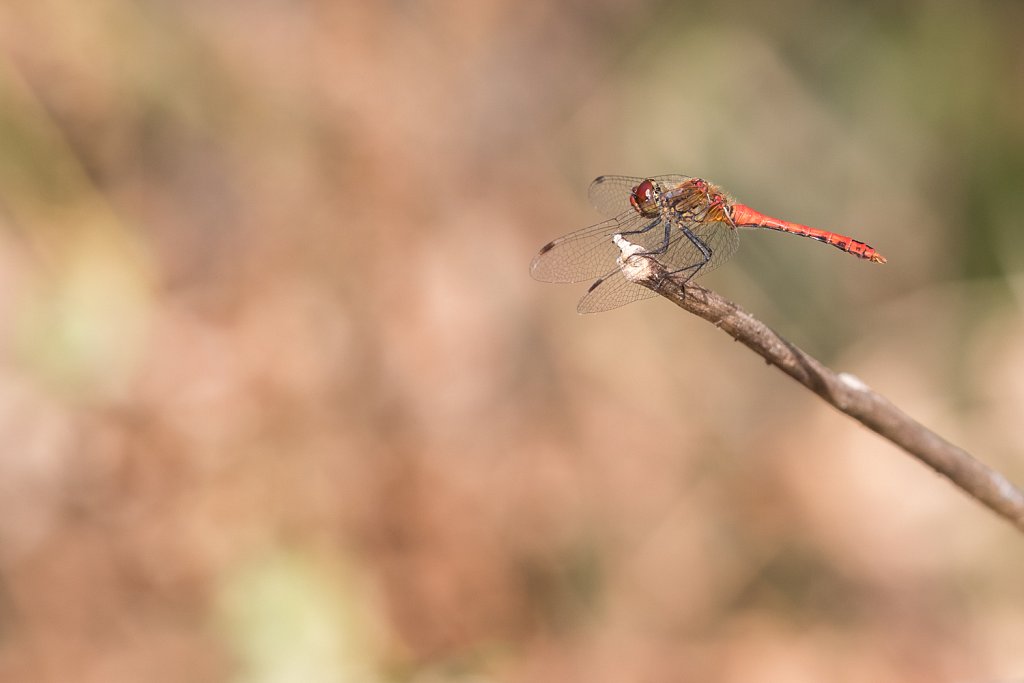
x: 538, y: 271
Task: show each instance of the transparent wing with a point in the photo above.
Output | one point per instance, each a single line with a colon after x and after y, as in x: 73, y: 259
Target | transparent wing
x: 685, y: 244
x: 682, y: 257
x: 590, y: 252
x: 609, y: 194
x: 610, y: 292
x: 721, y: 239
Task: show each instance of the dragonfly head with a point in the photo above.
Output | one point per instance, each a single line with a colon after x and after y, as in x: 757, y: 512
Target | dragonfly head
x: 644, y: 199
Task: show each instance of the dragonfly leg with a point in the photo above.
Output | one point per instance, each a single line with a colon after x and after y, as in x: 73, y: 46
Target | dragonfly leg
x: 693, y: 268
x: 640, y: 231
x: 660, y: 249
x: 664, y: 242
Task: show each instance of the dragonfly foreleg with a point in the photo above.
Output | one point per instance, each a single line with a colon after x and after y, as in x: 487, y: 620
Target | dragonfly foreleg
x: 640, y: 231
x: 663, y: 247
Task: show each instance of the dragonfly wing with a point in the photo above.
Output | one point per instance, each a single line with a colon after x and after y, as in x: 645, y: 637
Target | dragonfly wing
x: 719, y: 238
x: 612, y: 291
x: 610, y: 194
x: 590, y: 252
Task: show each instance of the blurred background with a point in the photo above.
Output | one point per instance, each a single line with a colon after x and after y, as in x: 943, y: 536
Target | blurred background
x: 280, y: 402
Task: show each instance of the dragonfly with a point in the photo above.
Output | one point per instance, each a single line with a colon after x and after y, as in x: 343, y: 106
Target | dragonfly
x: 689, y: 225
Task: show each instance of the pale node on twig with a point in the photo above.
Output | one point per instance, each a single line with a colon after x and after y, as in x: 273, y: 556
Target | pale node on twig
x: 634, y: 269
x: 853, y: 381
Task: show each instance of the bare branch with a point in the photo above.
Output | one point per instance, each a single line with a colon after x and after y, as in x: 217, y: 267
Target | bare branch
x: 844, y: 391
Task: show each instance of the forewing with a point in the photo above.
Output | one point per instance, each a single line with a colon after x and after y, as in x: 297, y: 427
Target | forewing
x: 587, y: 253
x: 609, y: 194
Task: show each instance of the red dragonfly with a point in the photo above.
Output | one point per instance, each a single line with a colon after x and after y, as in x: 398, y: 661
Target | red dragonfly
x: 689, y: 225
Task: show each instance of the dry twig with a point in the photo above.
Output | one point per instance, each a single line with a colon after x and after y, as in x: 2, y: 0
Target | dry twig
x: 844, y: 391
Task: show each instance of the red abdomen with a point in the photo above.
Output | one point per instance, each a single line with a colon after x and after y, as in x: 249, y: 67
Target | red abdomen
x: 745, y: 217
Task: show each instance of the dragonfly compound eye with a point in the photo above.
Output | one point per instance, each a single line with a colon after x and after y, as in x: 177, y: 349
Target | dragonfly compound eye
x: 642, y: 199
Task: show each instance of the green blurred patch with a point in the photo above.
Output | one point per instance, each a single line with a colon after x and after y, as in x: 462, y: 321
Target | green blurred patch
x: 83, y: 296
x: 288, y: 617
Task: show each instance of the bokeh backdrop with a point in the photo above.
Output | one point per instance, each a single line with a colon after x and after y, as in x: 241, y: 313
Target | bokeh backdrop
x: 280, y: 402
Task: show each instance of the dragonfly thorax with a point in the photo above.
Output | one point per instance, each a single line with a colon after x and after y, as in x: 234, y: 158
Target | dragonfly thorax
x: 695, y: 200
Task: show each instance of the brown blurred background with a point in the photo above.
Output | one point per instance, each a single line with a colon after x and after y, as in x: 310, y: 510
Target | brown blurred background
x: 279, y: 401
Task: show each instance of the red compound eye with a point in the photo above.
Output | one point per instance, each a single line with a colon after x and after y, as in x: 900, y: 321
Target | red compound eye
x: 642, y: 198
x: 644, y: 192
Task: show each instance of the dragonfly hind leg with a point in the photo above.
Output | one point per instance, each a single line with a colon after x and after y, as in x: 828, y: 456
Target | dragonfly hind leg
x: 693, y: 268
